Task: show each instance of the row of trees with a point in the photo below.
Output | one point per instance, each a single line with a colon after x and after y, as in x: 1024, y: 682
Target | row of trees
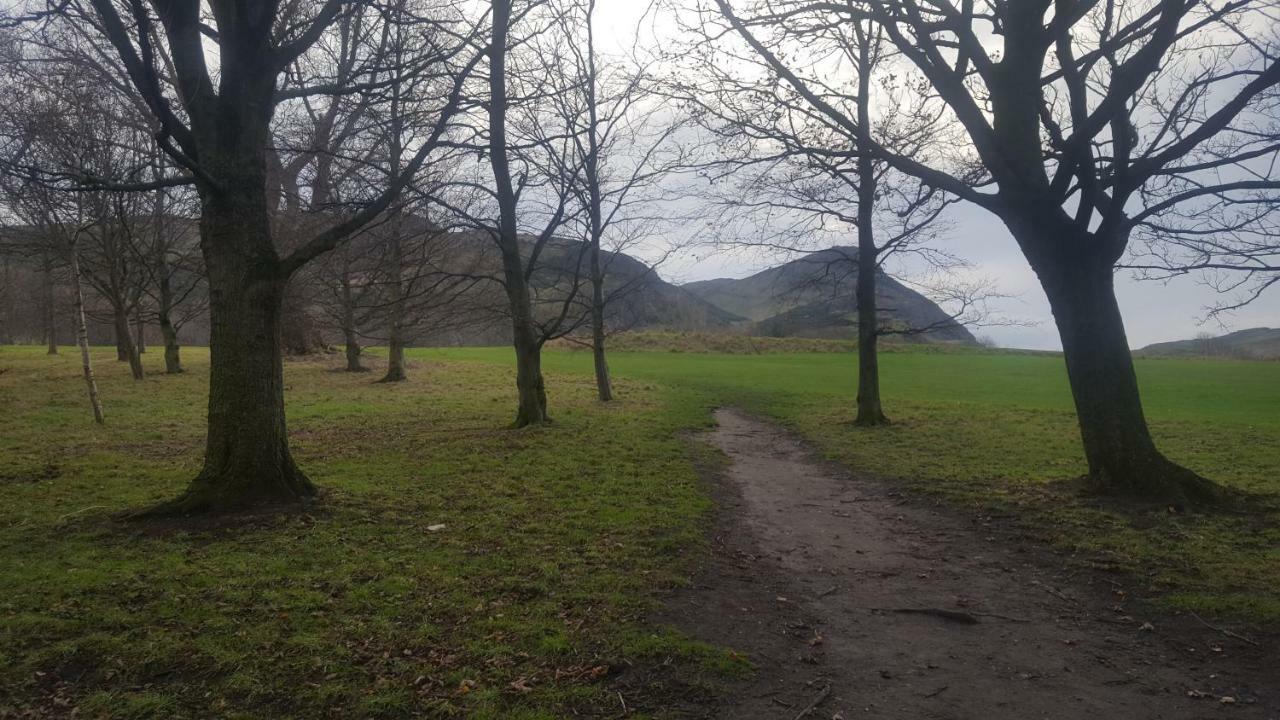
x: 348, y: 146
x: 340, y: 144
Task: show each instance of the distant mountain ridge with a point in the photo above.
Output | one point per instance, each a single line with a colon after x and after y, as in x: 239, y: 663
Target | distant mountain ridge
x: 813, y: 297
x: 1258, y: 343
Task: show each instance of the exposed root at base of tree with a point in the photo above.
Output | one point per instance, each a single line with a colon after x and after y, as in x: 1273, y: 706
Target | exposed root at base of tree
x: 875, y: 421
x: 1164, y: 482
x: 522, y: 422
x: 219, y: 495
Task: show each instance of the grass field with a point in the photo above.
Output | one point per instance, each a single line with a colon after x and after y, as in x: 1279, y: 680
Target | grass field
x: 557, y: 540
x: 524, y: 605
x: 997, y: 432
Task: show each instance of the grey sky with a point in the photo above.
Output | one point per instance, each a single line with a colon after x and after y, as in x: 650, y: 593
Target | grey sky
x: 1153, y: 311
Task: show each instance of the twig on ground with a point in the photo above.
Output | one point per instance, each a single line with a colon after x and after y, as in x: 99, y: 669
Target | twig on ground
x: 952, y: 615
x: 822, y: 696
x: 1224, y: 631
x: 937, y: 692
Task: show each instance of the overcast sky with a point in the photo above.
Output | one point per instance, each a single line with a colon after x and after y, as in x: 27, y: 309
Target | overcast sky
x: 1153, y: 311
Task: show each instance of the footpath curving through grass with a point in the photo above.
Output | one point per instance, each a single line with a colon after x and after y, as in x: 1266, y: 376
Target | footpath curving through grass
x: 526, y: 604
x: 996, y: 433
x: 529, y: 602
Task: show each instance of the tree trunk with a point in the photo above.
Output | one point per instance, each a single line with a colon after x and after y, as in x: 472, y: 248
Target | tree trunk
x: 50, y: 309
x: 395, y: 358
x: 172, y: 351
x: 247, y: 459
x: 141, y: 331
x: 349, y: 335
x: 82, y: 338
x: 869, y: 411
x: 395, y: 338
x: 532, y: 409
x: 1122, y: 457
x: 353, y: 351
x: 604, y: 386
x: 124, y: 343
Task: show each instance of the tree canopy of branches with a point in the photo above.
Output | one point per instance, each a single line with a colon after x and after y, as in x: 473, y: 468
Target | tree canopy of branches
x: 210, y: 77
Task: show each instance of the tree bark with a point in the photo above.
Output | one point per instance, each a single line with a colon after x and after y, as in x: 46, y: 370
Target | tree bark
x: 604, y: 385
x: 82, y: 338
x: 172, y: 351
x: 354, y: 351
x: 395, y: 358
x: 50, y: 309
x: 395, y: 336
x: 124, y: 343
x: 247, y: 458
x: 869, y: 411
x: 140, y: 328
x: 349, y: 335
x: 1121, y: 454
x: 532, y: 407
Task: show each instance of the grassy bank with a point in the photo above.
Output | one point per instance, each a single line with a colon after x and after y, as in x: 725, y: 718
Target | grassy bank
x: 526, y: 604
x: 996, y: 432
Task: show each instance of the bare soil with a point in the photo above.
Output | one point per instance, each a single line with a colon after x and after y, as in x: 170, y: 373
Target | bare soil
x: 853, y: 601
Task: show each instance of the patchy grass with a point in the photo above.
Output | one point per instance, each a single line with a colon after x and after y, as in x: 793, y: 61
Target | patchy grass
x: 996, y: 433
x: 528, y: 604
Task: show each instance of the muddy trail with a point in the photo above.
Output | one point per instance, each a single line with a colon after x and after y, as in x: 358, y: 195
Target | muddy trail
x: 854, y: 602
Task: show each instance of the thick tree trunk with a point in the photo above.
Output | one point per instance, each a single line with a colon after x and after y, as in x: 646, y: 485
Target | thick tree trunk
x: 82, y: 339
x: 354, y: 351
x: 604, y: 385
x: 247, y: 459
x: 532, y: 409
x: 172, y: 351
x: 1122, y: 457
x: 124, y: 343
x: 395, y: 359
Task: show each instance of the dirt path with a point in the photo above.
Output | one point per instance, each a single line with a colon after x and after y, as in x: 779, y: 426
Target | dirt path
x: 812, y: 566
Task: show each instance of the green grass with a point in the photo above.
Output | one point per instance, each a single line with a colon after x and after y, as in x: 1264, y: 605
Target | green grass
x: 996, y: 433
x: 557, y: 539
x: 556, y: 543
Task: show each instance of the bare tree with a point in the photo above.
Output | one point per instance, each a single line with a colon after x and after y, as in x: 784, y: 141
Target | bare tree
x: 209, y: 76
x: 1072, y: 113
x: 802, y: 183
x: 544, y: 162
x: 624, y: 146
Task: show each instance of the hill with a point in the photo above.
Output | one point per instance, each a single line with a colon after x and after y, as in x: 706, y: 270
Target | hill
x: 1252, y: 344
x: 814, y: 297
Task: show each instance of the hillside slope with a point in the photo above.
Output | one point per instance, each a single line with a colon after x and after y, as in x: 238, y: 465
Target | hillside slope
x: 1252, y: 344
x: 814, y: 297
